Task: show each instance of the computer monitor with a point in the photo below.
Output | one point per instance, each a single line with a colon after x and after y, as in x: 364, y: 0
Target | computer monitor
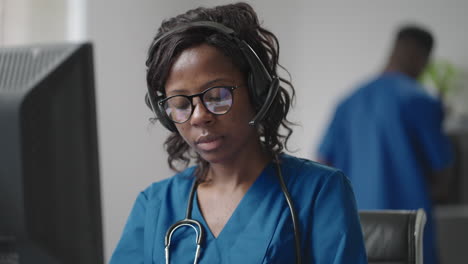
x: 50, y: 210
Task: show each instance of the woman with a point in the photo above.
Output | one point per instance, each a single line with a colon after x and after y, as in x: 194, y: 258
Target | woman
x: 212, y: 82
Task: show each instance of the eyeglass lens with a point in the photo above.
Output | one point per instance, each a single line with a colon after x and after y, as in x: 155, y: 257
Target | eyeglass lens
x: 217, y: 100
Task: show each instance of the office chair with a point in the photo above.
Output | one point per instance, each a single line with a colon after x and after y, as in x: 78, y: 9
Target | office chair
x: 393, y: 236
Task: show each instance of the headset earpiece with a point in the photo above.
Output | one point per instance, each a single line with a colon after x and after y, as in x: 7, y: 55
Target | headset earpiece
x: 147, y: 102
x: 156, y: 108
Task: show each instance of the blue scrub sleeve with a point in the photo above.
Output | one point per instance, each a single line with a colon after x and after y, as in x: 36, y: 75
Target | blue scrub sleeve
x: 327, y: 146
x: 425, y: 116
x: 130, y: 247
x: 336, y: 229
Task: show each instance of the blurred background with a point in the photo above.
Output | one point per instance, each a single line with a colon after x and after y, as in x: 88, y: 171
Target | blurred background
x: 328, y: 48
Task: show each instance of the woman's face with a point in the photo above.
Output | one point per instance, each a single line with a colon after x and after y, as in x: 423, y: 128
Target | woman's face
x: 217, y: 138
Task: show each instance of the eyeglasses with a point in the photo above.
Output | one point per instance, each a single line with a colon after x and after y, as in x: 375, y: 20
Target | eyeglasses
x: 217, y: 100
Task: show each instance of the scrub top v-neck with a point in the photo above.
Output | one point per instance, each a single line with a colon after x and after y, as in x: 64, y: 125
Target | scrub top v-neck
x: 251, y: 225
x: 260, y: 229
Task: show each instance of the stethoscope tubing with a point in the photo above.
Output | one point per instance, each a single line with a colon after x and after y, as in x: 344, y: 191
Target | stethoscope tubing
x: 295, y: 221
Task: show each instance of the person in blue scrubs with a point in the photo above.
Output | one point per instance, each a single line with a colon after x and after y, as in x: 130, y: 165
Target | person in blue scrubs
x: 238, y: 198
x: 387, y: 136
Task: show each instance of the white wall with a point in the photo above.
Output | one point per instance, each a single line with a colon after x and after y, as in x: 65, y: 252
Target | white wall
x: 327, y: 47
x: 32, y: 21
x: 13, y: 22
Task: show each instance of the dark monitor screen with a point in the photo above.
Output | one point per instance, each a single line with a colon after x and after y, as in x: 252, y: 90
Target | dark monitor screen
x: 50, y: 210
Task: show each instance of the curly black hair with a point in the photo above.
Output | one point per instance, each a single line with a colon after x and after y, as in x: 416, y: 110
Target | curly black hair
x: 244, y: 21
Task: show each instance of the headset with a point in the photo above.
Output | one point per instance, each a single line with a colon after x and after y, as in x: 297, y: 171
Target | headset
x: 263, y: 87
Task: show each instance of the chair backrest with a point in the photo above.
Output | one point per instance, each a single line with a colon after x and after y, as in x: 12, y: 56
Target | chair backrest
x: 393, y: 236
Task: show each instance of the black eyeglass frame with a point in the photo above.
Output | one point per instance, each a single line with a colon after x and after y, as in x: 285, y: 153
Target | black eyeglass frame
x: 230, y: 88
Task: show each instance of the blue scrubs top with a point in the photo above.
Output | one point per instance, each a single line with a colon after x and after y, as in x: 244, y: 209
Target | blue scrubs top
x: 387, y: 137
x: 260, y: 229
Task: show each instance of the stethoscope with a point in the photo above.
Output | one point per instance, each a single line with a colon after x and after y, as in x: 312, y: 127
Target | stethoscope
x: 200, y: 234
